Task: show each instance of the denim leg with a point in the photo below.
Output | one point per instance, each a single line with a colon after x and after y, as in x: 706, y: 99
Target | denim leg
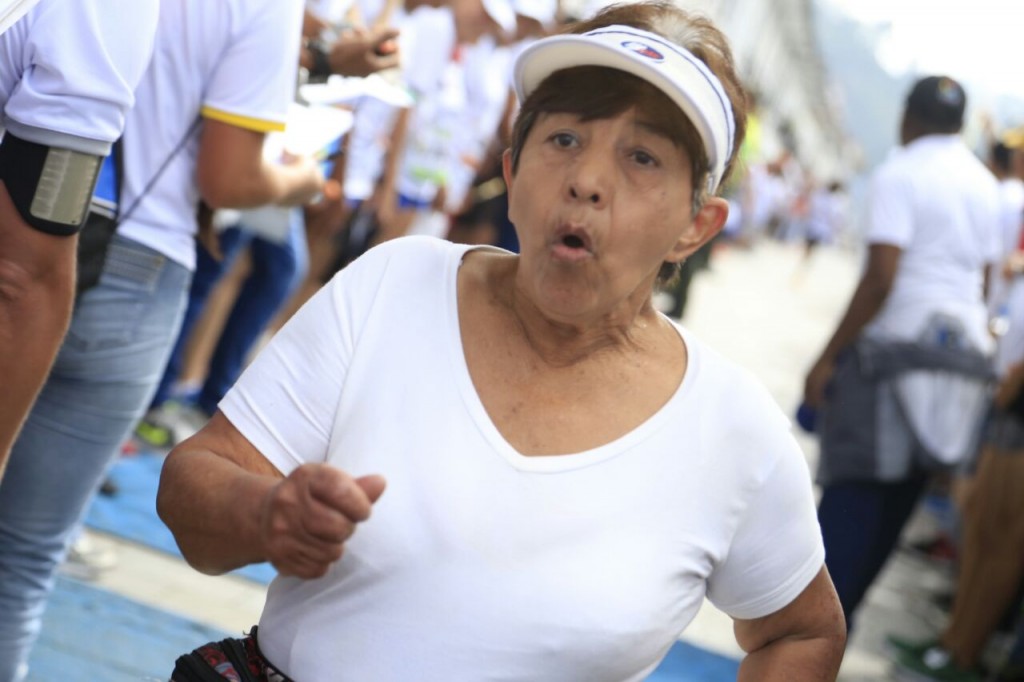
x: 849, y: 514
x: 277, y: 270
x: 105, y: 373
x: 208, y: 272
x: 861, y: 522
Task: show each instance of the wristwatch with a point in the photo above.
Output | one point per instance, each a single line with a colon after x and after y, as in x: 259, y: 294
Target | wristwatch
x: 321, y: 67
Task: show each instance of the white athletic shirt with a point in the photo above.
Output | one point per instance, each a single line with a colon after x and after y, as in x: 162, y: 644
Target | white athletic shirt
x: 1007, y: 296
x: 479, y: 563
x: 68, y: 70
x: 1011, y: 217
x: 12, y: 10
x: 425, y: 44
x: 229, y: 60
x: 937, y: 202
x: 487, y: 67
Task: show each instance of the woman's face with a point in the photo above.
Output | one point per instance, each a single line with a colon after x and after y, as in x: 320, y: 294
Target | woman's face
x: 598, y: 206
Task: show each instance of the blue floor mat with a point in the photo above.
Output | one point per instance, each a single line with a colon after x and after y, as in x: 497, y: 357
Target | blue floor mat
x: 91, y: 634
x: 688, y: 663
x: 131, y: 513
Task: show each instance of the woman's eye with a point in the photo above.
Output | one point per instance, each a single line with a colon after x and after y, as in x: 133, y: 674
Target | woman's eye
x: 563, y: 140
x: 644, y: 159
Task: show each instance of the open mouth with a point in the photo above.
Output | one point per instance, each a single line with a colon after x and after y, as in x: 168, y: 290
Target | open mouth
x: 573, y: 241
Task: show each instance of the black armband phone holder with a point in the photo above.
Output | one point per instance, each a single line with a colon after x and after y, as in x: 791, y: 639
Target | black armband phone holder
x: 51, y: 187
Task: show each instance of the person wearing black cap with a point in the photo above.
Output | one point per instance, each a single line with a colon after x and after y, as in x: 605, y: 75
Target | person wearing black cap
x: 902, y: 382
x: 991, y: 523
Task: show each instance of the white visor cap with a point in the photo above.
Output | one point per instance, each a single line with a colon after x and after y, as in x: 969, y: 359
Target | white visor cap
x: 672, y: 69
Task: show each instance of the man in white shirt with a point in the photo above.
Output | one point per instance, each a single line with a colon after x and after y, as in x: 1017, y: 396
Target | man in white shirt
x: 919, y: 310
x: 68, y: 73
x: 197, y: 132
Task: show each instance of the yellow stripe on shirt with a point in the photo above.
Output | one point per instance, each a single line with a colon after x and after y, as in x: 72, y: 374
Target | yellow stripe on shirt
x: 258, y: 124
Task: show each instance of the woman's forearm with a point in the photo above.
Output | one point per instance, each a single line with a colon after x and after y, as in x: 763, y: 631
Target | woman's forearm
x: 808, y: 660
x: 214, y: 509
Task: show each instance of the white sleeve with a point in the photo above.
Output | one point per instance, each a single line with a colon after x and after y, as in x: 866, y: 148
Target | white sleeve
x: 286, y: 400
x: 890, y: 212
x: 81, y: 62
x: 255, y: 79
x: 777, y: 549
x: 12, y: 10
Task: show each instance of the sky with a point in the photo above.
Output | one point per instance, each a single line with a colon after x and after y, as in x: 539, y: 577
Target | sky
x: 980, y: 42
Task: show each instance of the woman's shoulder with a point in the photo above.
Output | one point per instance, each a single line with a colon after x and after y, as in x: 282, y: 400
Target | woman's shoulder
x: 738, y: 398
x: 417, y: 247
x: 411, y: 256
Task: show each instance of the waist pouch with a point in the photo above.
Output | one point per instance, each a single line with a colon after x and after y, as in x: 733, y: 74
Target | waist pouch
x: 93, y: 244
x: 871, y: 425
x: 233, y: 659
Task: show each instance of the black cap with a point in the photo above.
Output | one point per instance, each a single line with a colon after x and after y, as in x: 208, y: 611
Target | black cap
x: 938, y: 101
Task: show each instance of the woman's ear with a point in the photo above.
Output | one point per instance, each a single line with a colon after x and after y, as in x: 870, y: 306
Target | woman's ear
x: 508, y: 174
x: 708, y: 222
x: 506, y: 168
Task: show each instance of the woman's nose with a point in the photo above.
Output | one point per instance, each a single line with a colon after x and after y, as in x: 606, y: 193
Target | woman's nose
x: 588, y: 180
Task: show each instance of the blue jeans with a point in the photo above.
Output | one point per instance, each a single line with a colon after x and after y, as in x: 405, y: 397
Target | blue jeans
x: 104, y: 376
x: 861, y: 522
x: 277, y: 269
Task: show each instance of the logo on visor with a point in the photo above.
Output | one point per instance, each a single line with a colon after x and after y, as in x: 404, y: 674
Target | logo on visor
x: 644, y: 50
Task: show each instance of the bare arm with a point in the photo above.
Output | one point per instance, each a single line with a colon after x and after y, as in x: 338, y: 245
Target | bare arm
x: 871, y: 292
x: 232, y: 172
x: 361, y: 51
x: 37, y: 284
x: 228, y: 506
x: 803, y: 641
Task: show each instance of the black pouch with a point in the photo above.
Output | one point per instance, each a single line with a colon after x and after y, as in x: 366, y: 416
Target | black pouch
x: 93, y: 244
x: 1016, y: 406
x: 98, y: 231
x: 228, y: 659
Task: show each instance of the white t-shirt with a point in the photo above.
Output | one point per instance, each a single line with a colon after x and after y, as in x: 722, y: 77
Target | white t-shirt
x: 68, y: 70
x: 233, y: 61
x: 825, y: 213
x: 332, y: 11
x: 479, y: 563
x: 1011, y: 213
x: 12, y: 10
x: 1007, y: 296
x: 1011, y: 217
x: 487, y: 68
x: 937, y: 202
x: 425, y: 46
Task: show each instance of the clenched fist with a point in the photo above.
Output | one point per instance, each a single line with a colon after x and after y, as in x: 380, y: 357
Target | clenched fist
x: 308, y: 516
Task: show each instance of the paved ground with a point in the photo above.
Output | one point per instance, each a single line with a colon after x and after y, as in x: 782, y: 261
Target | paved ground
x: 764, y: 308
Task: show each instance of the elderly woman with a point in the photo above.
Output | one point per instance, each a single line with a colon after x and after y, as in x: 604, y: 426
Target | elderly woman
x: 569, y: 473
